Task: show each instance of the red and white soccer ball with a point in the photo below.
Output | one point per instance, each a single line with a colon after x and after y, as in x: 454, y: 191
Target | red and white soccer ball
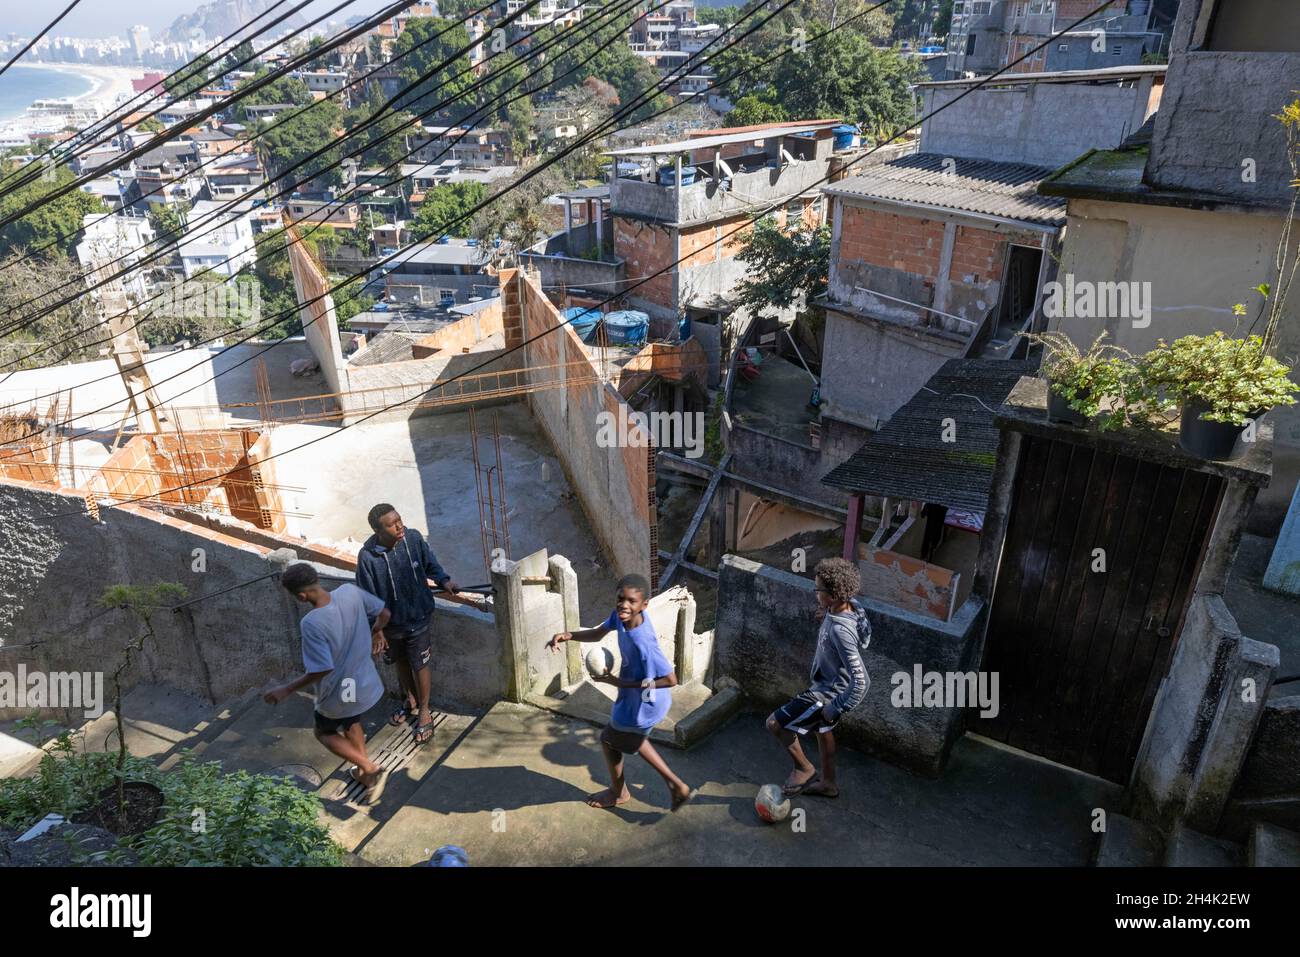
x: 771, y: 805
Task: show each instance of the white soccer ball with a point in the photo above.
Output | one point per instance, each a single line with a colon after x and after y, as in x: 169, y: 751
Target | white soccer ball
x: 771, y: 805
x: 600, y: 661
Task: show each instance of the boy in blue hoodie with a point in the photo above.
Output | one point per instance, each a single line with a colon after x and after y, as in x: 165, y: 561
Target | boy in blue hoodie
x: 396, y: 564
x: 839, y: 679
x: 644, y: 680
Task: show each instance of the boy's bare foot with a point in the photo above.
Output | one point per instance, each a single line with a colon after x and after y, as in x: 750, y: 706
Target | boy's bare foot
x: 797, y: 780
x: 607, y: 798
x: 681, y: 796
x: 819, y: 788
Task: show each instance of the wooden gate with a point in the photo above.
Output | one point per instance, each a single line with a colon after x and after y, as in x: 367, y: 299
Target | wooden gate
x: 1100, y: 557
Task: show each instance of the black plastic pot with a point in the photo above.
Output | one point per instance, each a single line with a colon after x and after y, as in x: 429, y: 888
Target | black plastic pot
x: 1218, y: 441
x: 1058, y: 409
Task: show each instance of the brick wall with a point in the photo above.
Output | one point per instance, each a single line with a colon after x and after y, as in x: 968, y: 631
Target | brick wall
x: 908, y: 243
x: 646, y: 248
x: 27, y: 461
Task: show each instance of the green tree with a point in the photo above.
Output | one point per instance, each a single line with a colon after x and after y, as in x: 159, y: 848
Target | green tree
x: 784, y: 267
x: 444, y: 207
x: 385, y: 144
x: 845, y: 76
x: 56, y: 223
x: 168, y: 222
x: 190, y: 79
x: 421, y: 49
x: 754, y: 108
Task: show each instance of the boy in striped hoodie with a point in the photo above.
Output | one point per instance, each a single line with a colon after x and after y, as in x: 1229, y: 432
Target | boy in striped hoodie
x: 839, y: 680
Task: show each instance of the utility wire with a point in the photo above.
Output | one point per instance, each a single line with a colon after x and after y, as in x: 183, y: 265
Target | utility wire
x: 442, y: 385
x: 626, y: 109
x: 337, y: 203
x: 124, y: 111
x: 36, y: 39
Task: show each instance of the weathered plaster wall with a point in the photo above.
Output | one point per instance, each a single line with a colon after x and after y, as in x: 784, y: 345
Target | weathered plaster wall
x: 1199, y: 265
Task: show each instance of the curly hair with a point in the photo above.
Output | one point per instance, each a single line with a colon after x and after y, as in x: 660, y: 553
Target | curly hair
x: 839, y: 577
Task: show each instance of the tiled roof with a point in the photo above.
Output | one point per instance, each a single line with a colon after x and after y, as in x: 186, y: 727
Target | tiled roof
x: 1008, y: 190
x: 909, y: 459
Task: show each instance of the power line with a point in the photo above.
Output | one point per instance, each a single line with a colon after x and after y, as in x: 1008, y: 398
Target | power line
x: 124, y: 111
x: 262, y: 131
x: 36, y: 39
x: 26, y: 176
x: 292, y: 64
x: 626, y: 109
x: 442, y: 385
x: 482, y: 81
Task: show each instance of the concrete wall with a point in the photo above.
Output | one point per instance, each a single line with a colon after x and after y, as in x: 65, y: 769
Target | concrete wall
x: 218, y: 648
x: 774, y: 461
x: 1199, y: 264
x: 425, y: 386
x: 1219, y: 105
x: 320, y: 324
x: 615, y: 485
x: 1202, y: 722
x: 766, y: 635
x: 463, y: 334
x: 1040, y: 124
x: 870, y: 369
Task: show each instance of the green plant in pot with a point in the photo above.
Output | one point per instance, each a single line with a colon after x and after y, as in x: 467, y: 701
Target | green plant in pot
x: 1095, y: 385
x: 1221, y: 385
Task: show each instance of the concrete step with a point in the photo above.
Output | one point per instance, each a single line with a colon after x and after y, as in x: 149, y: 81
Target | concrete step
x: 1127, y: 843
x: 281, y: 739
x: 350, y: 817
x: 1273, y: 846
x: 17, y: 757
x: 1188, y: 848
x: 696, y: 711
x: 211, y: 727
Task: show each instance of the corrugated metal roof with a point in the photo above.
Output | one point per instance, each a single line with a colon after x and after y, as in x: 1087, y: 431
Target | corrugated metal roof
x: 909, y: 459
x: 1006, y: 190
x: 724, y: 139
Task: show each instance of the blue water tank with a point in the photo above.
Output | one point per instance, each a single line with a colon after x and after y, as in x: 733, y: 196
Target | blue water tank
x: 626, y: 327
x: 844, y: 136
x: 582, y: 320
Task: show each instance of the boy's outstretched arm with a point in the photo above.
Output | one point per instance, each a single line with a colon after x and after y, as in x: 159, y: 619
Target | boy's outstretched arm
x: 584, y: 634
x: 280, y: 692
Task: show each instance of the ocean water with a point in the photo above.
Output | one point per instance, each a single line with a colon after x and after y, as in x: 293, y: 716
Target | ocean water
x: 21, y: 85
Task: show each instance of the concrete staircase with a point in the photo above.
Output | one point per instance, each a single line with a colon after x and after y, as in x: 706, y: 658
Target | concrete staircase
x: 1130, y: 843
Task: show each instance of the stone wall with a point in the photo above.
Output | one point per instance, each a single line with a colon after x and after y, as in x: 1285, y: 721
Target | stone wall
x: 766, y: 635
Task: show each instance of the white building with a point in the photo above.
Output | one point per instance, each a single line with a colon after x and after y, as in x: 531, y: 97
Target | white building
x: 217, y: 237
x: 121, y: 241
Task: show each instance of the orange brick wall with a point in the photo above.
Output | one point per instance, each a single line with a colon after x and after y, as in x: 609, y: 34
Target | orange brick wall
x: 27, y: 461
x: 914, y: 244
x: 908, y: 243
x: 647, y: 248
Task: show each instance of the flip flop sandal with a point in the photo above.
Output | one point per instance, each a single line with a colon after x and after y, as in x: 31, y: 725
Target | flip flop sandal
x: 402, y: 715
x: 376, y: 790
x: 818, y: 794
x: 423, y: 733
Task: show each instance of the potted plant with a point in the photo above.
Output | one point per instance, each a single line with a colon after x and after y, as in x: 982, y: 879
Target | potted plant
x: 1221, y: 384
x: 1083, y: 386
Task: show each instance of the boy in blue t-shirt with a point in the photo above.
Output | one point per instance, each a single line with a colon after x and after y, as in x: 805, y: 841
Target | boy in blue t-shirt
x: 644, y: 679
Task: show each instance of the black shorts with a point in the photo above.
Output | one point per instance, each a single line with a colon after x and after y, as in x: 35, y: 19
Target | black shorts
x: 410, y: 644
x: 624, y: 742
x: 335, y: 725
x: 803, y: 713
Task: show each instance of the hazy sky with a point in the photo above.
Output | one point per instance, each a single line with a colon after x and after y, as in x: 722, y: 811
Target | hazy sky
x: 96, y: 18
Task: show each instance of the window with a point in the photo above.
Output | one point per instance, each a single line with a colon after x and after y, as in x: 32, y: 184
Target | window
x: 983, y: 8
x: 1064, y: 48
x: 970, y: 44
x: 446, y: 297
x: 1116, y: 50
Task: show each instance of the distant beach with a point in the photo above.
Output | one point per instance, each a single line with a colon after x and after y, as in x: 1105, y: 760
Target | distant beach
x: 89, y: 85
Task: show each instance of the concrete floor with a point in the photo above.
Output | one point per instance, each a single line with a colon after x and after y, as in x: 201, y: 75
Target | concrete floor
x: 425, y: 468
x: 777, y: 401
x: 511, y: 792
x: 1263, y: 614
